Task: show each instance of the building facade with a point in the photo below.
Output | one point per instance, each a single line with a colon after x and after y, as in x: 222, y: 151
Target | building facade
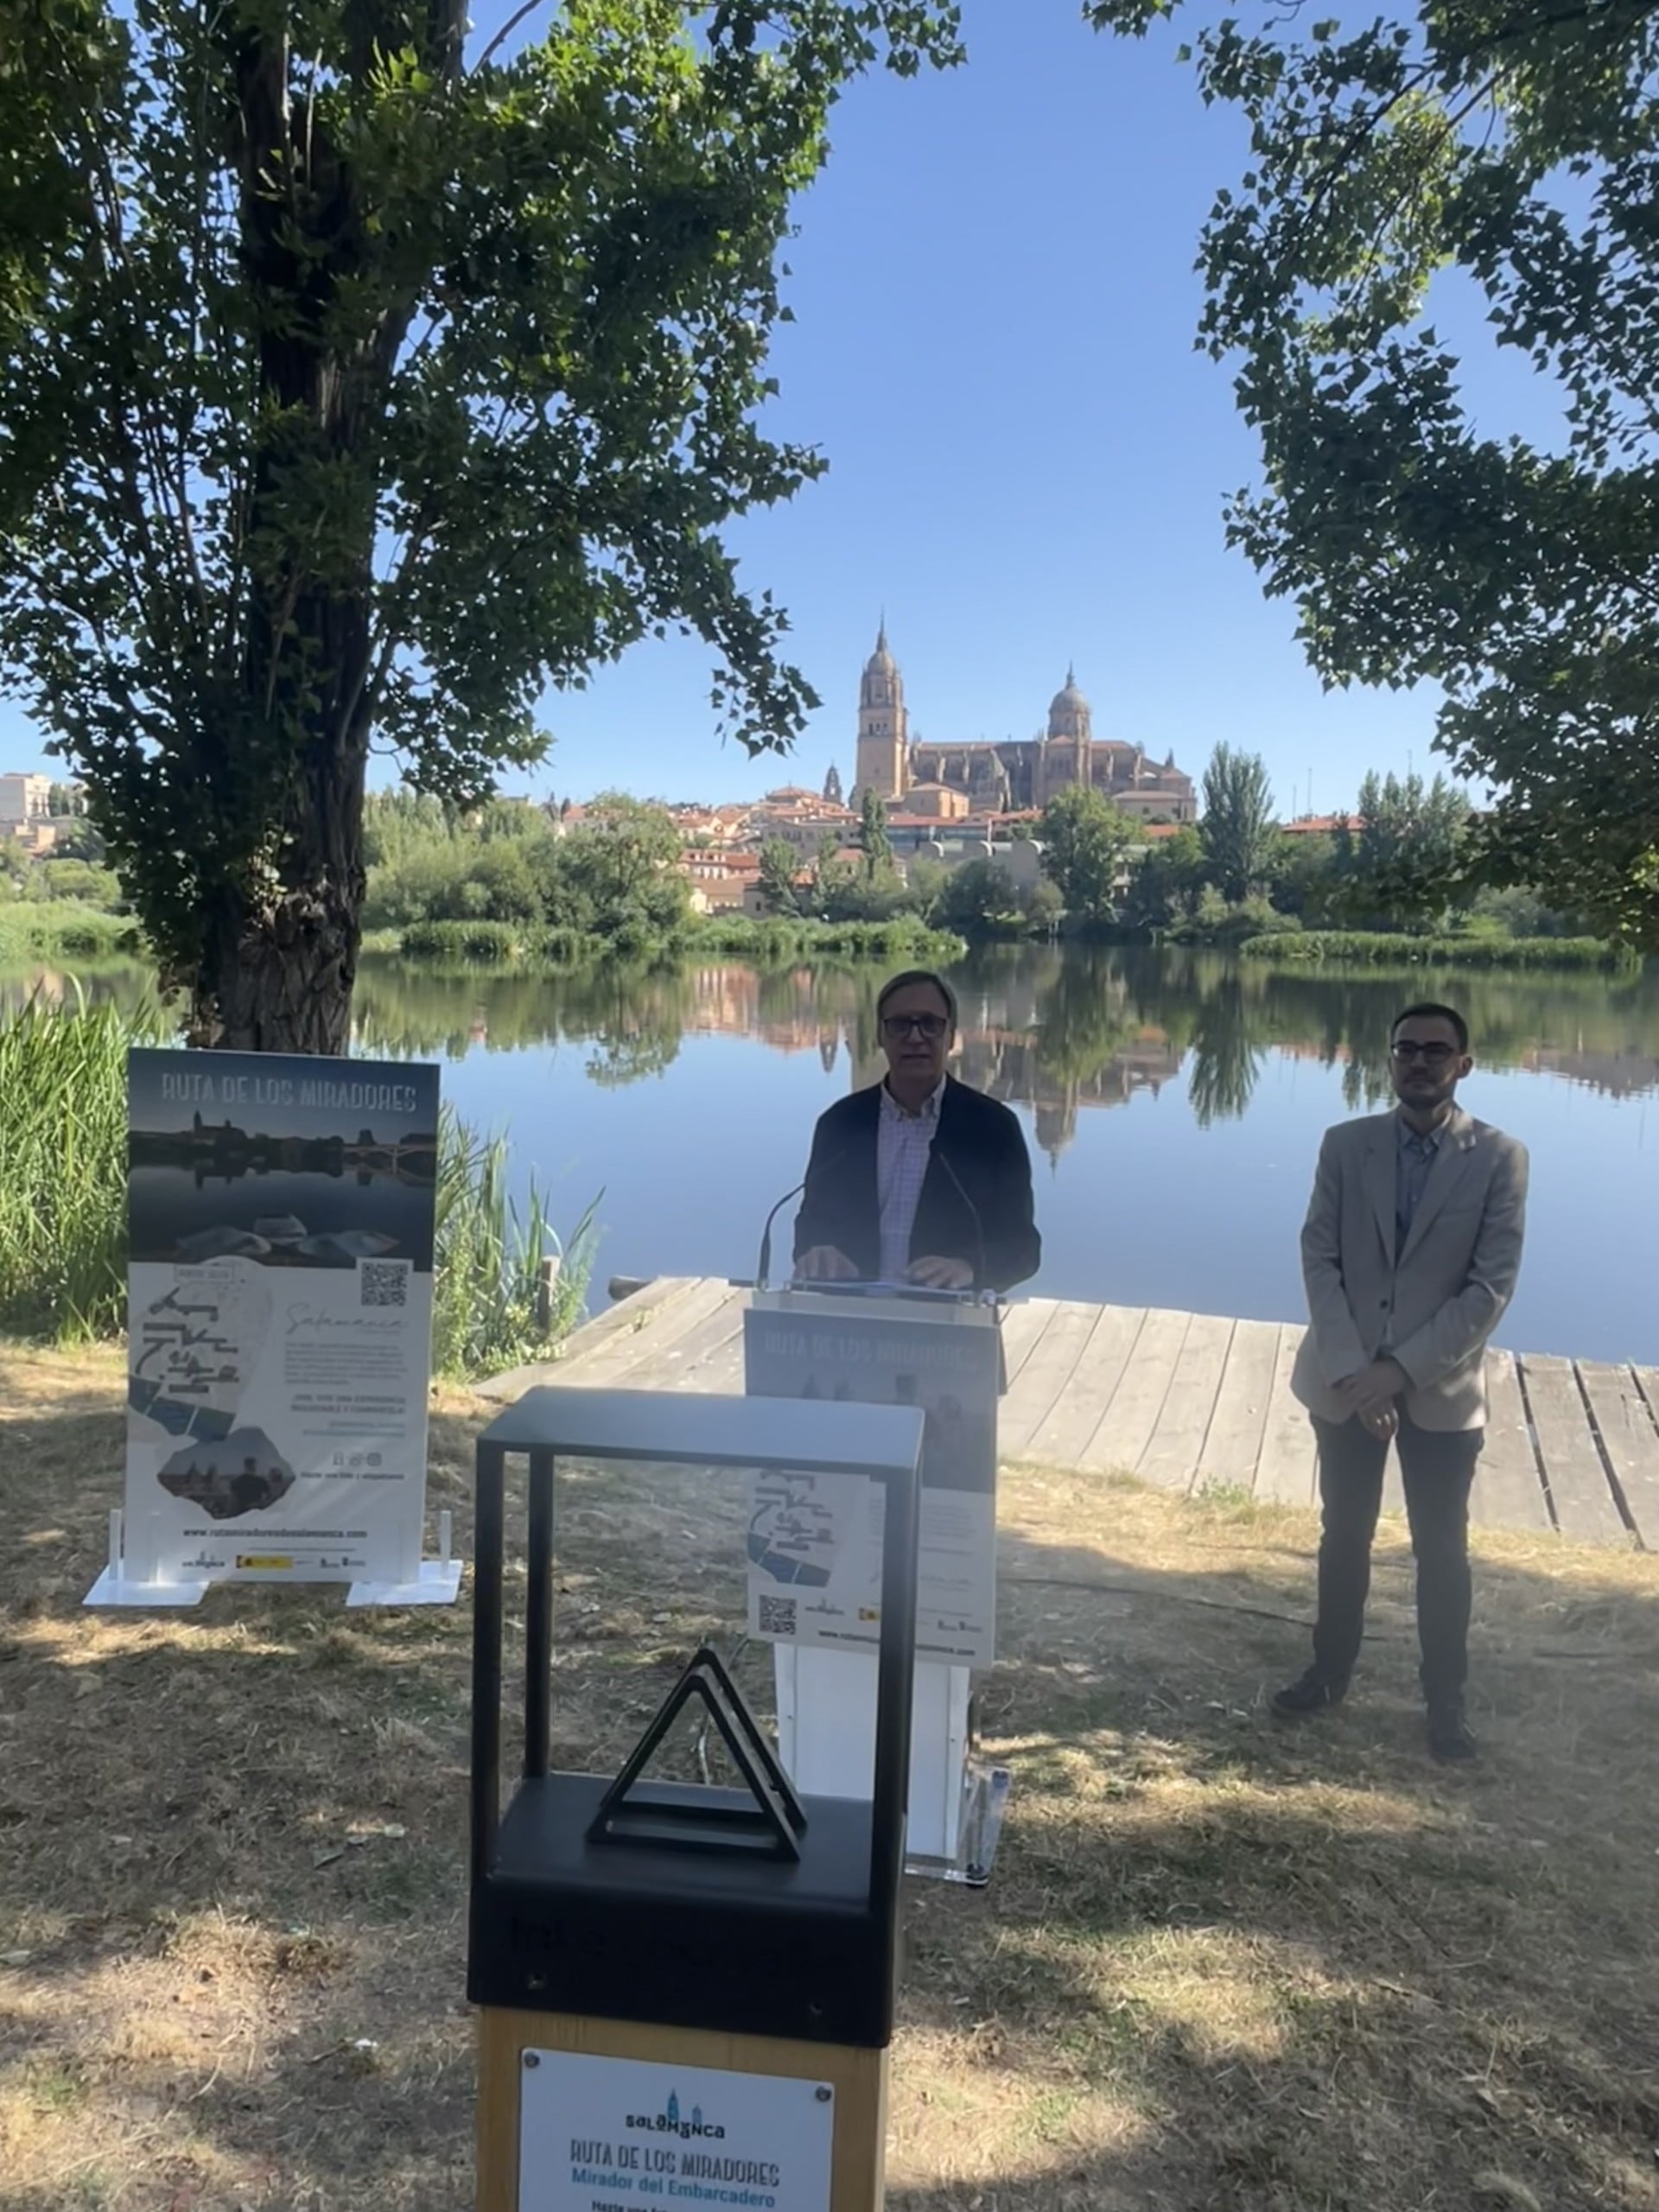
x: 1017, y: 776
x: 25, y: 798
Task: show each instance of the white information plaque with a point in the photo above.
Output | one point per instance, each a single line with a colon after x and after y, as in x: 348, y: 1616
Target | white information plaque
x: 624, y: 2134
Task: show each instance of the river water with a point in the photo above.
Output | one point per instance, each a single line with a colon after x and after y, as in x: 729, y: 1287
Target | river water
x: 1173, y: 1102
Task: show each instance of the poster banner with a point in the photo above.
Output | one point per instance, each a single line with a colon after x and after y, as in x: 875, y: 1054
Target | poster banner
x: 280, y: 1215
x: 815, y: 1541
x: 622, y: 2135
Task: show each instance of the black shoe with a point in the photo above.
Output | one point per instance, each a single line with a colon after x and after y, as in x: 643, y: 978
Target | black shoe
x: 1449, y: 1737
x: 1309, y: 1694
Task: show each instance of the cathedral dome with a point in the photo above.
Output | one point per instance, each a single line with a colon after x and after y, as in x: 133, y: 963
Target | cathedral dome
x: 1069, y: 714
x: 881, y: 662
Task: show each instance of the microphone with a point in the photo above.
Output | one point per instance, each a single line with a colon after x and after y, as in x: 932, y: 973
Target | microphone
x: 829, y: 1164
x: 944, y: 1159
x: 766, y: 1234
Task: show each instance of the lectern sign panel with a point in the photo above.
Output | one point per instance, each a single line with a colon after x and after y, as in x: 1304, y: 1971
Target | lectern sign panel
x: 815, y: 1541
x: 624, y: 2134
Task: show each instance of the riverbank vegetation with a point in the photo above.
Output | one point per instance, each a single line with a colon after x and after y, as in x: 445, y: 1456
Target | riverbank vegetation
x: 515, y: 883
x: 63, y: 1194
x: 1376, y: 948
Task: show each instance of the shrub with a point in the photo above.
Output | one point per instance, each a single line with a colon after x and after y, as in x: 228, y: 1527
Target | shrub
x: 47, y: 928
x: 478, y: 940
x: 1378, y: 949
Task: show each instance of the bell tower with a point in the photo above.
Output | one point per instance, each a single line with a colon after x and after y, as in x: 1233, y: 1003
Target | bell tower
x: 883, y: 760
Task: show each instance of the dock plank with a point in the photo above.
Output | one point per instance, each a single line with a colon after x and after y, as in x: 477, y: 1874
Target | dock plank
x: 1125, y: 1426
x: 1579, y: 1488
x: 1233, y: 1443
x: 1171, y: 1457
x: 1022, y: 1329
x: 634, y: 1359
x: 1285, y: 1472
x: 1625, y: 1416
x: 1187, y: 1399
x: 1043, y: 1379
x: 1509, y: 1490
x: 720, y: 1370
x: 1077, y: 1413
x: 629, y: 1316
x: 714, y: 1347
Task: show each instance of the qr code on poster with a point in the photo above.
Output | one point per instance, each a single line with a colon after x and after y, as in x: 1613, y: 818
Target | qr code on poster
x: 777, y: 1616
x: 382, y: 1282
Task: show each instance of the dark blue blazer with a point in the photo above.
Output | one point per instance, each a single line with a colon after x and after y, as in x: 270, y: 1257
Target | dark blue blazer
x: 975, y: 1204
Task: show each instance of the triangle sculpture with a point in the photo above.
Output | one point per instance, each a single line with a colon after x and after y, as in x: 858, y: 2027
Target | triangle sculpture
x: 767, y: 1819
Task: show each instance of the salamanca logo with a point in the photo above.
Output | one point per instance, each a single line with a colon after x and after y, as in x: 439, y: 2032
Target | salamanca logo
x: 671, y: 2121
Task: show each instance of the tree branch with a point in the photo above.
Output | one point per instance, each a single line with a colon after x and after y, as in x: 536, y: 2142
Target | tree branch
x: 504, y: 33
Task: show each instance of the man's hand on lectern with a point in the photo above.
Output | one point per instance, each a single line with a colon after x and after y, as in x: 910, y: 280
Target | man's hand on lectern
x: 937, y: 1273
x: 824, y: 1264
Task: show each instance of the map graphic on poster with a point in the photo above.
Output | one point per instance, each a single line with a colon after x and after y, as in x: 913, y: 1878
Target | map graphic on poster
x: 815, y: 1541
x: 281, y: 1217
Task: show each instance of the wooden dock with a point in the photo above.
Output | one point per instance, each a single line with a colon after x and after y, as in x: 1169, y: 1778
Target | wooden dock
x: 1192, y: 1401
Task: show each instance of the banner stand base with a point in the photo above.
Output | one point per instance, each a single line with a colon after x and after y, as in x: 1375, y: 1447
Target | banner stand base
x: 984, y: 1801
x: 438, y: 1583
x: 113, y: 1587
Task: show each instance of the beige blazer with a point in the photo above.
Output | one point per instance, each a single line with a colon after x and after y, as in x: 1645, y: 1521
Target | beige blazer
x: 1434, y: 1308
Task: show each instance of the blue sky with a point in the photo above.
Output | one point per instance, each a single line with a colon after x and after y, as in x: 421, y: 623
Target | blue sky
x: 995, y: 302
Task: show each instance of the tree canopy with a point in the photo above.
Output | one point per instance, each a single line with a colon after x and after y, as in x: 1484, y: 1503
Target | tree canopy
x: 1400, y: 170
x: 1085, y: 838
x: 356, y: 391
x: 1238, y: 832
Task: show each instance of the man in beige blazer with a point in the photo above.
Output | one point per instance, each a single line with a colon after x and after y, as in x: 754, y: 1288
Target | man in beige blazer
x: 1410, y: 1252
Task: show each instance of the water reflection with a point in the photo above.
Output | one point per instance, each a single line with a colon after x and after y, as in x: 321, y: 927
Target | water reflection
x: 1058, y: 1031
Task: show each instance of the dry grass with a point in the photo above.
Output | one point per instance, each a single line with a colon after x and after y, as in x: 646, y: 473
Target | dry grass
x: 1221, y: 1963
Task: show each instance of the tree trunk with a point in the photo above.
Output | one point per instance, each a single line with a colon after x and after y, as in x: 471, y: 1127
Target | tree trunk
x: 276, y: 973
x: 283, y: 981
x: 279, y: 946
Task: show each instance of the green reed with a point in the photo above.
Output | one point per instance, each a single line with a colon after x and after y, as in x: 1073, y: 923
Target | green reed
x: 63, y: 1168
x: 494, y: 1305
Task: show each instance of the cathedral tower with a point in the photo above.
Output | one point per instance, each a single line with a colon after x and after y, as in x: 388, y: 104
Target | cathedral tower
x: 1068, y: 750
x: 883, y: 728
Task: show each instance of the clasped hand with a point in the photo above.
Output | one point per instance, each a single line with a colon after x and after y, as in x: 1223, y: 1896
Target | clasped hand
x: 1370, y: 1395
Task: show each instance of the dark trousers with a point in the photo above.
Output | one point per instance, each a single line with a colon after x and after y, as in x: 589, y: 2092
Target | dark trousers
x: 1436, y: 1467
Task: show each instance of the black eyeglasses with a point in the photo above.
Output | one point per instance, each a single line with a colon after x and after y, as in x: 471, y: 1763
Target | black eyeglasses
x: 931, y: 1026
x: 1436, y: 1056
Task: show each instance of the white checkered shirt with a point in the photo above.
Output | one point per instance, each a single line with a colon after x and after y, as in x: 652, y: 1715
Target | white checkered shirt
x: 904, y: 1143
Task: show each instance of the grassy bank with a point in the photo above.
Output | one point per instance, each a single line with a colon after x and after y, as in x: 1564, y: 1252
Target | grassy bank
x: 56, y: 929
x: 63, y: 1232
x: 1221, y: 1963
x: 1380, y: 949
x: 734, y: 937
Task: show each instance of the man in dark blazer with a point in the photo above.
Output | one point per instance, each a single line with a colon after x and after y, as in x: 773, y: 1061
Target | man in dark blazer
x: 918, y: 1179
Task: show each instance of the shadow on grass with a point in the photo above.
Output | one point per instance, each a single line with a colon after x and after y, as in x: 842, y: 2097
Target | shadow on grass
x: 1221, y: 1962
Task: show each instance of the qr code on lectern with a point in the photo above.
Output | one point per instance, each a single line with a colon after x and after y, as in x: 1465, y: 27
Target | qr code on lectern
x: 382, y: 1282
x: 777, y: 1616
